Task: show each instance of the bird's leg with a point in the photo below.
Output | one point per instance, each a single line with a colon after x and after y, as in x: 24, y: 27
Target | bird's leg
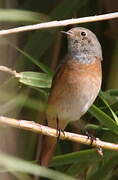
x: 59, y: 130
x: 90, y: 137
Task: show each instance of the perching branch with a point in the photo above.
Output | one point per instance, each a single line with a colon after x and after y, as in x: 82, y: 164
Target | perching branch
x: 53, y: 24
x: 37, y: 128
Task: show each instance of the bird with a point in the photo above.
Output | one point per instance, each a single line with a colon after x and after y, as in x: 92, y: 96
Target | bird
x: 75, y: 85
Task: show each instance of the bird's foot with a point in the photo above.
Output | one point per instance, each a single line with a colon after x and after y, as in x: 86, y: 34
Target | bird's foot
x: 59, y: 130
x: 93, y: 138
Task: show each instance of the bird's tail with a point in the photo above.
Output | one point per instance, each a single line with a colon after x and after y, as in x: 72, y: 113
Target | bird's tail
x: 48, y: 148
x: 49, y: 143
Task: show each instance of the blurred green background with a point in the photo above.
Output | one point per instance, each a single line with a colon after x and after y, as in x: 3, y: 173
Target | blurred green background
x: 37, y: 54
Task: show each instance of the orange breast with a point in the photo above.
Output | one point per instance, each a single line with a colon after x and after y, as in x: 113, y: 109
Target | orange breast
x: 74, y: 90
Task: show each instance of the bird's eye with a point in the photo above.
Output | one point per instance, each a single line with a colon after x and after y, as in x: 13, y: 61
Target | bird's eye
x: 83, y: 34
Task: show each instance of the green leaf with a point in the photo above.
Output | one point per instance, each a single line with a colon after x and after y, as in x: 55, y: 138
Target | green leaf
x: 96, y: 127
x: 104, y: 118
x: 18, y: 16
x: 104, y: 170
x: 14, y: 164
x: 22, y: 176
x: 11, y: 102
x: 101, y: 95
x: 75, y: 157
x: 81, y: 157
x: 35, y: 79
x: 113, y: 92
x: 42, y: 66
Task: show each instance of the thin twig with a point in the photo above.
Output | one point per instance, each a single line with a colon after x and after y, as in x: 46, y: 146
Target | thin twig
x: 37, y: 128
x: 53, y: 24
x: 10, y: 71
